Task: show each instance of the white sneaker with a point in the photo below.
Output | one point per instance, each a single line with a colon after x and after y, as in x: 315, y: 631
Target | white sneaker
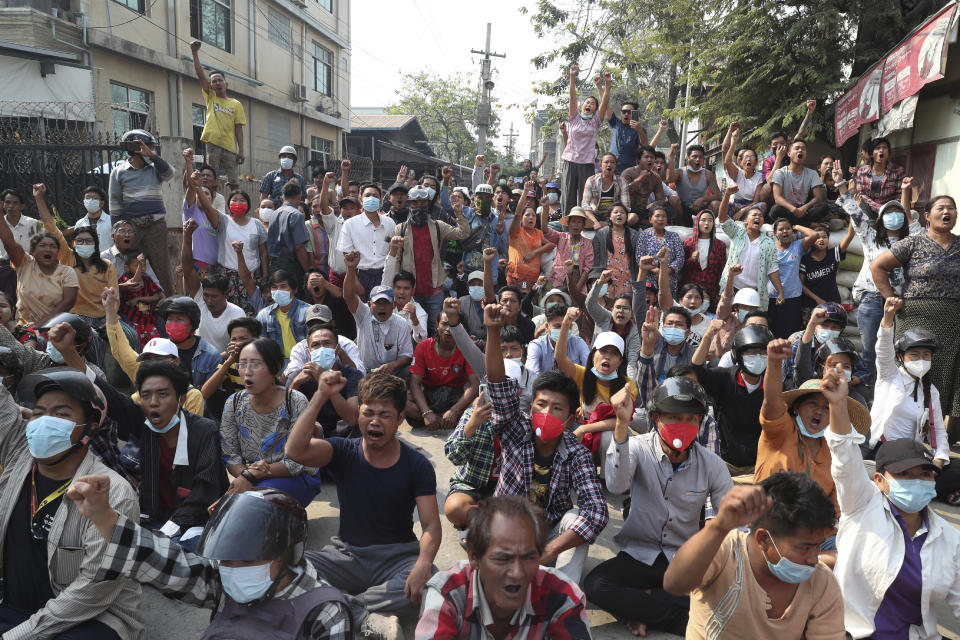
x: 380, y: 627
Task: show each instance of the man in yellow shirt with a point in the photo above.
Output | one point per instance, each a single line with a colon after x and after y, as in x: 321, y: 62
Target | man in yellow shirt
x: 223, y: 128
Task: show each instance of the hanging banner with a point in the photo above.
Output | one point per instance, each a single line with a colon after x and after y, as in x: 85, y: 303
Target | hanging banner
x: 900, y: 117
x: 917, y: 60
x: 859, y: 105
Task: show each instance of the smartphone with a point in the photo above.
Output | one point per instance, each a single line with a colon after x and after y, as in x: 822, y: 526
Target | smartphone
x: 131, y: 146
x: 635, y: 115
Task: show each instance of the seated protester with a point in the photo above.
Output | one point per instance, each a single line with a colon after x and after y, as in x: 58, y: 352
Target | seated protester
x: 552, y: 297
x: 320, y: 291
x: 732, y: 309
x: 704, y: 258
x: 403, y: 284
x: 696, y: 185
x: 571, y: 245
x: 256, y: 423
x: 94, y: 203
x: 473, y: 599
x: 650, y: 241
x: 613, y: 248
x: 818, y: 267
x: 765, y: 583
x: 549, y: 463
x: 471, y: 306
x: 181, y: 470
x: 227, y: 381
x: 658, y: 353
x: 260, y: 532
x: 338, y: 417
x: 181, y: 316
x: 905, y: 400
x: 692, y: 297
x: 737, y: 392
x: 897, y: 559
x: 125, y: 242
x: 376, y: 556
x: 527, y: 243
x: 348, y: 353
x: 284, y: 321
x: 25, y: 335
x: 619, y: 320
x: 510, y: 297
x: 210, y: 294
x: 129, y: 360
x: 793, y: 424
x: 442, y: 384
x: 540, y: 352
x: 798, y: 190
x: 606, y: 376
x: 708, y: 434
x: 670, y: 476
x: 838, y: 352
x: 755, y: 317
x: 743, y: 172
x: 644, y: 185
x: 827, y: 321
x: 50, y: 552
x: 382, y: 336
x: 139, y: 297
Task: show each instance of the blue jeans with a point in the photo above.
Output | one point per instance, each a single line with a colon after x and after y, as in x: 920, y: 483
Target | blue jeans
x: 303, y: 487
x: 869, y: 314
x: 433, y: 305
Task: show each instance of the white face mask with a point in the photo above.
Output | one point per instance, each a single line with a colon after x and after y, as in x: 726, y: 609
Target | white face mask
x: 917, y: 368
x: 286, y: 163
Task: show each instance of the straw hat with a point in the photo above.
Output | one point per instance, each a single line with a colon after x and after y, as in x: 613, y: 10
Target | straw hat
x: 859, y: 415
x: 576, y: 212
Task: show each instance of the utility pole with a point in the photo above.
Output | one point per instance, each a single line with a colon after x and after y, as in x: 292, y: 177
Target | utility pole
x: 510, y: 148
x: 483, y: 109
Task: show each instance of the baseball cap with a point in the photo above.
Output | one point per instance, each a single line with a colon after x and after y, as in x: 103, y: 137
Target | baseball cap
x: 398, y: 187
x: 475, y: 275
x: 484, y: 189
x: 319, y: 312
x: 551, y: 185
x: 608, y: 339
x: 159, y: 347
x: 381, y: 292
x: 517, y: 192
x: 348, y: 200
x: 896, y: 456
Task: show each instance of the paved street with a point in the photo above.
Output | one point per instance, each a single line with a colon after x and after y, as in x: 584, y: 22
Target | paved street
x: 168, y: 620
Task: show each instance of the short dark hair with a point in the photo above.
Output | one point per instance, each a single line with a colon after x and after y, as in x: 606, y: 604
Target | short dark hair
x: 659, y: 155
x: 777, y: 223
x: 15, y: 193
x: 511, y: 333
x: 478, y: 535
x: 97, y: 190
x: 243, y: 194
x: 679, y: 311
x: 645, y: 148
x: 555, y: 311
x: 696, y: 147
x: 282, y: 275
x: 43, y: 236
x: 745, y: 148
x: 800, y: 140
x: 558, y: 381
x: 681, y: 370
x: 633, y: 105
x: 321, y: 326
x: 379, y: 385
x: 777, y: 134
x: 756, y: 313
x: 205, y: 167
x: 880, y: 140
x: 248, y: 323
x: 512, y: 288
x: 798, y: 502
x: 270, y: 351
x: 215, y: 281
x: 405, y: 276
x: 363, y: 187
x: 659, y: 205
x: 165, y: 369
x: 292, y: 190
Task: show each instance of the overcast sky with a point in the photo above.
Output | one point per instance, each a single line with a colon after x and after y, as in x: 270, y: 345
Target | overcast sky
x: 390, y: 38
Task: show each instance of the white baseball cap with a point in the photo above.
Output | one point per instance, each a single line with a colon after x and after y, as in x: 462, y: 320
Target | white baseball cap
x: 160, y: 347
x: 475, y: 275
x: 748, y: 297
x: 609, y: 338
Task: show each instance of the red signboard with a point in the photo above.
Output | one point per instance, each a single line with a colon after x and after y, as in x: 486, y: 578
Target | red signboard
x: 859, y: 105
x: 917, y: 60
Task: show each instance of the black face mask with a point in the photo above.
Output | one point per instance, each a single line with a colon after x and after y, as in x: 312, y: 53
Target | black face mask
x: 418, y: 216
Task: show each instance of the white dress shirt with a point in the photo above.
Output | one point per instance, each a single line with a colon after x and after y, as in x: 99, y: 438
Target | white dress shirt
x: 23, y: 232
x: 372, y: 241
x: 300, y: 355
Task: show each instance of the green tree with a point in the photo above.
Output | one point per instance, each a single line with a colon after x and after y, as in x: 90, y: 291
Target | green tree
x: 447, y: 111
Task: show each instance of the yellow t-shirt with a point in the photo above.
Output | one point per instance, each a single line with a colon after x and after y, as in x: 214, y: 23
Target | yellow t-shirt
x: 286, y: 332
x: 603, y: 390
x: 222, y: 115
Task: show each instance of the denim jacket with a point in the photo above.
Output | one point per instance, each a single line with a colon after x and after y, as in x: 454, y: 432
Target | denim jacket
x: 206, y: 359
x: 267, y: 317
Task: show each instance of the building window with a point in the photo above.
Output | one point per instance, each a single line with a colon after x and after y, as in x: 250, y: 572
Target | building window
x: 210, y: 22
x: 136, y: 5
x: 326, y: 4
x: 321, y: 150
x: 278, y: 28
x: 322, y: 70
x: 199, y: 113
x: 129, y: 108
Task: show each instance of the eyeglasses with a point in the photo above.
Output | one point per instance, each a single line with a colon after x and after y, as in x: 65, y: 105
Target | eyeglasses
x: 252, y: 365
x: 83, y: 242
x: 124, y: 232
x: 624, y: 110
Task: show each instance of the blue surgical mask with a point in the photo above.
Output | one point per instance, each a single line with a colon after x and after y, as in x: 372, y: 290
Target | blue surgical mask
x: 848, y: 374
x: 174, y: 421
x: 825, y: 335
x: 371, y: 203
x: 803, y: 429
x: 286, y: 163
x: 787, y: 570
x: 92, y: 205
x: 674, y: 335
x: 448, y: 283
x: 324, y: 357
x: 554, y: 334
x: 911, y: 495
x: 476, y: 293
x: 893, y: 220
x: 84, y: 250
x: 54, y: 353
x: 742, y: 315
x: 755, y: 364
x: 553, y: 198
x: 586, y: 116
x: 703, y: 307
x: 48, y: 435
x: 610, y: 376
x: 281, y: 296
x: 604, y: 288
x: 246, y: 584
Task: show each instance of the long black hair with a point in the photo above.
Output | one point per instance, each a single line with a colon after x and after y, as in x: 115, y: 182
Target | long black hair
x: 588, y: 392
x: 627, y: 245
x: 99, y: 264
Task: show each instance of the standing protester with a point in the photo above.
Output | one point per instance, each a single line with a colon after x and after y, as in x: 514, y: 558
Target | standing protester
x: 94, y: 203
x: 879, y: 181
x: 223, y: 127
x: 274, y: 182
x: 368, y: 234
x: 287, y: 235
x: 24, y: 228
x: 628, y: 135
x: 792, y: 241
x: 583, y: 123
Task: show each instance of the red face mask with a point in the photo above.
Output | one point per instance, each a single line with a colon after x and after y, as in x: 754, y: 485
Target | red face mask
x: 546, y: 426
x: 679, y: 435
x: 178, y: 331
x: 238, y: 208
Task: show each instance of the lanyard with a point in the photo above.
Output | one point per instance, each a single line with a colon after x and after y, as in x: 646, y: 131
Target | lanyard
x: 34, y: 508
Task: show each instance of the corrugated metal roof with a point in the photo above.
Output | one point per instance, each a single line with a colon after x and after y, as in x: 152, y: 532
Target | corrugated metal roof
x: 384, y: 121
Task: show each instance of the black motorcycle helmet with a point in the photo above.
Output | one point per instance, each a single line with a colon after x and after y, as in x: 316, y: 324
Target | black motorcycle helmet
x: 913, y: 338
x: 10, y: 363
x: 180, y: 304
x: 835, y: 313
x: 833, y: 347
x: 678, y: 395
x: 79, y: 325
x: 751, y: 336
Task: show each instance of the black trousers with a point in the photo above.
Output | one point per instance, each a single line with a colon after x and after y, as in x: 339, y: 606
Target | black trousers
x: 619, y: 586
x: 816, y: 213
x: 89, y: 630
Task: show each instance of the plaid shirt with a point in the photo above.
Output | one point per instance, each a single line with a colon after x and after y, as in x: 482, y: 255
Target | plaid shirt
x: 593, y: 187
x: 475, y: 457
x: 889, y: 185
x: 573, y: 467
x: 154, y: 559
x: 454, y: 606
x: 650, y: 370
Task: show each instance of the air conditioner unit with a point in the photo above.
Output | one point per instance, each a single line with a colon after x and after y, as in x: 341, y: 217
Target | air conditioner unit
x: 298, y: 93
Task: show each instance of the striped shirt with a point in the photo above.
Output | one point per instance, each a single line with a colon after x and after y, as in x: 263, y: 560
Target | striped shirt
x: 135, y: 193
